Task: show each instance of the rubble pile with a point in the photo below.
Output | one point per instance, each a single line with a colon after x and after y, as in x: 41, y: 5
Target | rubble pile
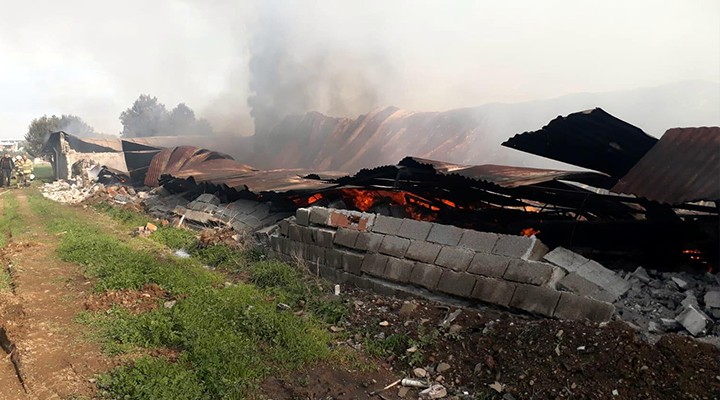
x: 75, y: 193
x: 661, y: 302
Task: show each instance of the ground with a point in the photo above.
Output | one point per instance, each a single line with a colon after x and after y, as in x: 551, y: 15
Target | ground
x: 374, y: 340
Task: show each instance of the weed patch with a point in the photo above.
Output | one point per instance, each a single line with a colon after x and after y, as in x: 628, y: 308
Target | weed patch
x: 10, y: 222
x: 151, y: 378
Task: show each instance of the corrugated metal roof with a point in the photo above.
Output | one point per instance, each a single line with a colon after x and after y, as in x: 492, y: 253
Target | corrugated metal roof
x: 187, y: 161
x: 507, y: 176
x: 590, y: 139
x: 683, y: 166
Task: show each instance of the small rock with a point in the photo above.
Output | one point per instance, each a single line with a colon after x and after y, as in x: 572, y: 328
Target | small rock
x: 478, y: 368
x: 411, y: 349
x: 644, y: 368
x: 439, y: 378
x: 682, y: 284
x: 559, y: 334
x: 150, y: 227
x: 384, y: 323
x: 581, y: 348
x: 712, y: 299
x: 434, y: 392
x: 420, y: 372
x: 499, y: 387
x: 454, y: 329
x: 690, y: 300
x: 654, y: 327
x: 642, y: 274
x: 169, y: 304
x: 615, y: 392
x: 442, y: 367
x: 403, y: 391
x: 407, y: 309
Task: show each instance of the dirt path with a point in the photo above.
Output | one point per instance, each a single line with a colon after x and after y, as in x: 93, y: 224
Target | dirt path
x: 55, y: 362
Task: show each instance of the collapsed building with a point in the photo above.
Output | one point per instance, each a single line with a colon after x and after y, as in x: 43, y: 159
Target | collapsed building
x: 472, y: 232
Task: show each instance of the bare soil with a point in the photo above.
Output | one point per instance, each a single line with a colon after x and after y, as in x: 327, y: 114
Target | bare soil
x: 146, y: 299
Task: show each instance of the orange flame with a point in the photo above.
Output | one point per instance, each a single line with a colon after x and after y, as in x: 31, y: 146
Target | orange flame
x: 529, y: 232
x: 415, y: 207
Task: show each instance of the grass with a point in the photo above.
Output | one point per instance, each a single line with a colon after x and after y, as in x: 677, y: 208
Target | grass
x: 10, y: 223
x: 229, y: 337
x: 43, y: 173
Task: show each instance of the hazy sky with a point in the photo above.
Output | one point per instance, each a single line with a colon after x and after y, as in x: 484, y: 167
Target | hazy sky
x: 94, y: 58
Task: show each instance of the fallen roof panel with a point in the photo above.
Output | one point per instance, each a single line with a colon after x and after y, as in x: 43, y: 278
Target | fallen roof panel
x: 684, y: 166
x: 590, y: 139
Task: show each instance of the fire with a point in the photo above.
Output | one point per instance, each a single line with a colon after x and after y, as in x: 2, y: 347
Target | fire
x: 415, y: 206
x: 529, y: 232
x: 694, y: 254
x: 314, y: 198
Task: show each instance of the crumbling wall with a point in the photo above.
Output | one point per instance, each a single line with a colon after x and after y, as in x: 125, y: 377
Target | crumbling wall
x: 427, y: 258
x: 113, y: 160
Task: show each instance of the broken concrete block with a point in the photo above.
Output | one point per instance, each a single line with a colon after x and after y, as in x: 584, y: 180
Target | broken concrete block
x: 457, y: 283
x: 296, y: 233
x: 603, y: 277
x: 208, y: 198
x: 319, y: 216
x: 398, y: 270
x: 575, y: 283
x: 456, y: 258
x: 387, y: 225
x: 426, y: 275
x: 368, y: 241
x: 351, y: 219
x: 574, y: 307
x: 482, y: 242
x: 346, y: 237
x: 263, y: 235
x: 151, y: 227
x: 488, y: 265
x: 641, y: 274
x: 670, y: 325
x: 283, y: 225
x: 494, y: 291
x: 423, y: 251
x: 445, y: 234
x: 533, y: 273
x: 528, y: 248
x: 690, y: 300
x: 535, y: 299
x: 374, y: 264
x: 693, y: 320
x: 712, y: 299
x: 682, y: 284
x: 412, y: 229
x: 565, y: 259
x: 323, y: 237
x: 302, y: 216
x: 352, y: 262
x: 394, y: 246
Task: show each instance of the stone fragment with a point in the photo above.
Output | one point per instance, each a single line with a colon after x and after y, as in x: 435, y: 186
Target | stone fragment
x: 712, y: 299
x: 641, y: 274
x: 479, y: 241
x: 693, y: 320
x: 445, y: 234
x: 420, y: 372
x: 488, y: 265
x: 442, y: 367
x: 603, y: 277
x: 208, y: 198
x: 150, y: 227
x: 433, y: 392
x: 682, y: 284
x: 394, y: 246
x: 456, y: 258
x: 319, y: 216
x: 690, y: 300
x: 575, y: 283
x: 423, y: 251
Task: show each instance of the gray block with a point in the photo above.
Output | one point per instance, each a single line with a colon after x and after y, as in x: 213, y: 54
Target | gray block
x: 532, y: 272
x: 535, y: 299
x: 694, y: 320
x: 493, y: 291
x: 398, y: 270
x: 423, y: 251
x: 284, y: 225
x: 319, y: 216
x: 412, y: 229
x: 323, y: 237
x: 426, y: 275
x: 296, y: 232
x: 296, y: 250
x: 327, y: 272
x: 712, y: 299
x: 603, y: 277
x: 302, y: 216
x: 456, y: 258
x: 352, y: 262
x: 368, y: 241
x: 387, y: 225
x: 374, y: 264
x: 314, y: 255
x: 279, y: 244
x: 394, y: 246
x: 489, y: 265
x: 346, y: 237
x: 575, y: 283
x: 574, y: 307
x: 333, y: 258
x: 565, y: 259
x: 483, y: 242
x: 445, y: 234
x: 456, y: 283
x: 529, y: 248
x: 208, y: 198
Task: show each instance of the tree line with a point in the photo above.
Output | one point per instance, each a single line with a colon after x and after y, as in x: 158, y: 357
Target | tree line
x: 146, y: 117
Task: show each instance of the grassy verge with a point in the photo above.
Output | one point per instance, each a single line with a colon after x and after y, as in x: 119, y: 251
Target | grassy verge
x: 43, y: 173
x: 228, y: 336
x: 10, y: 223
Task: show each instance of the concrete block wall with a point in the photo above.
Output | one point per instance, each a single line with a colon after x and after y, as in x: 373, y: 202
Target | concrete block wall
x: 504, y: 270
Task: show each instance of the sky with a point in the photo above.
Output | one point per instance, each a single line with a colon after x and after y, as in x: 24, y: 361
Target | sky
x: 94, y: 58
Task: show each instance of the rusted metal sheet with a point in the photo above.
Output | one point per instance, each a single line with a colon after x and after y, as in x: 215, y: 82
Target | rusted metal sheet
x: 683, y: 166
x: 187, y: 161
x: 507, y: 176
x: 590, y: 139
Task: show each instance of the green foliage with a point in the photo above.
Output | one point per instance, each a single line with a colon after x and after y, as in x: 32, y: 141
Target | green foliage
x: 176, y: 238
x: 128, y: 218
x: 152, y: 378
x: 10, y: 223
x: 41, y: 128
x: 395, y: 344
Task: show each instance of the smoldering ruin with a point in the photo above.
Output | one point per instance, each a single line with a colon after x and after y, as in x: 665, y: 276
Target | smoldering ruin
x: 631, y: 234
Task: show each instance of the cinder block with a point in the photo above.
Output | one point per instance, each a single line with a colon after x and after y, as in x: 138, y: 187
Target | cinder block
x: 494, y: 291
x: 412, y: 229
x: 394, y: 246
x: 327, y: 272
x: 387, y: 225
x: 279, y: 244
x: 456, y: 283
x: 574, y: 307
x: 208, y: 198
x: 535, y: 299
x: 694, y: 320
x: 456, y: 258
x: 283, y: 226
x: 374, y: 264
x: 351, y: 219
x: 333, y: 258
x: 445, y: 234
x: 346, y: 237
x: 426, y: 275
x: 479, y: 241
x: 565, y: 259
x: 296, y: 232
x: 603, y: 277
x: 314, y: 255
x: 575, y: 283
x: 323, y: 237
x: 489, y: 265
x: 368, y: 241
x: 533, y: 273
x: 352, y: 262
x: 302, y: 216
x: 319, y: 215
x: 528, y: 248
x: 423, y: 251
x: 398, y: 270
x: 296, y: 250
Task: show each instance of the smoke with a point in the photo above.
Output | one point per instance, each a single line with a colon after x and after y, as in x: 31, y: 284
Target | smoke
x: 290, y: 73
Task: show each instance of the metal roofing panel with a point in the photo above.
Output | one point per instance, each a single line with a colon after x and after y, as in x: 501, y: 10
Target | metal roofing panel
x: 683, y: 166
x: 590, y: 139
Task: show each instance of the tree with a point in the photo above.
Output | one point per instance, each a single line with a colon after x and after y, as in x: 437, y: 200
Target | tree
x: 146, y: 117
x: 41, y: 128
x: 181, y: 121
